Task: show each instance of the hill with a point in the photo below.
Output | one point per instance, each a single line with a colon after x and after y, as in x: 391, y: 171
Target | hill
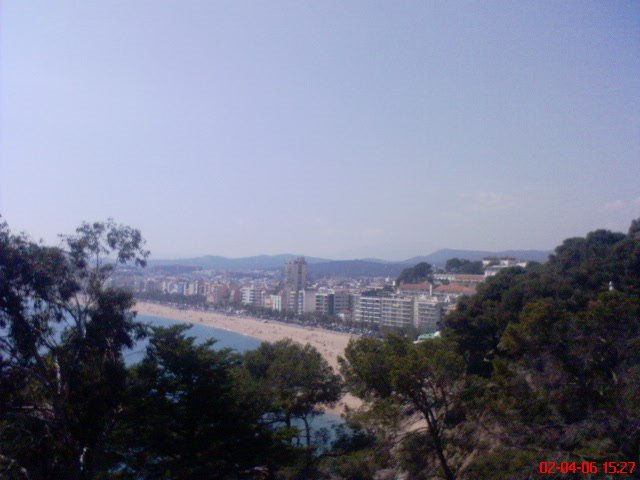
x: 258, y: 262
x: 322, y: 267
x: 356, y: 268
x: 439, y: 257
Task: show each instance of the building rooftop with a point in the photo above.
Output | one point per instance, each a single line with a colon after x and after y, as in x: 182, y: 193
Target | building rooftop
x: 421, y: 287
x: 454, y: 289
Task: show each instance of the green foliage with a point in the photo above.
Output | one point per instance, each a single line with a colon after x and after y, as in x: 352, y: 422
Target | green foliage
x: 367, y: 368
x: 504, y: 463
x: 295, y: 383
x: 560, y: 352
x: 542, y: 363
x: 61, y: 368
x: 296, y: 380
x: 361, y: 464
x: 427, y: 378
x: 69, y: 407
x: 188, y: 417
x: 364, y: 444
x: 422, y: 272
x: 461, y: 265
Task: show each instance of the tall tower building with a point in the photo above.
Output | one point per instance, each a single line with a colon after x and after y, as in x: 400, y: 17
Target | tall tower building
x: 296, y: 274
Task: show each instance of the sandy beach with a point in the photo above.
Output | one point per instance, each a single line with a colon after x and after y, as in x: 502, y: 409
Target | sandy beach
x: 329, y: 344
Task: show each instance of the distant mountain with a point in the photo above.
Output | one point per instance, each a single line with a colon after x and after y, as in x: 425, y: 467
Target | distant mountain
x: 173, y: 269
x: 259, y: 262
x: 377, y: 260
x: 356, y: 268
x: 322, y: 267
x: 440, y: 257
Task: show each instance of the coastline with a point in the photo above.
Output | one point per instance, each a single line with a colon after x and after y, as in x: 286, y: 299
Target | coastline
x: 329, y: 343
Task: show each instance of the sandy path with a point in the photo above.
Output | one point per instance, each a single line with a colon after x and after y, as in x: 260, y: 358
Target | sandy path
x: 329, y: 344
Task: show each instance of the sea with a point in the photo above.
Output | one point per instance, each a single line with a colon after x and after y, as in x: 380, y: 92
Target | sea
x: 323, y: 426
x: 202, y: 333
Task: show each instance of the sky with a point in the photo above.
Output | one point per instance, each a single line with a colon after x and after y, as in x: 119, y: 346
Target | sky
x: 339, y: 129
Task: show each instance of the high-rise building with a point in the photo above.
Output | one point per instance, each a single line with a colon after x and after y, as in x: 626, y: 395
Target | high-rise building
x: 296, y: 274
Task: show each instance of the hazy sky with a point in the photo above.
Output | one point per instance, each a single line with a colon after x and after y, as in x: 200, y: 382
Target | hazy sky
x: 328, y: 128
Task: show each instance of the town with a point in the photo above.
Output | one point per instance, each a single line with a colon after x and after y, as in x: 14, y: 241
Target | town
x: 362, y: 305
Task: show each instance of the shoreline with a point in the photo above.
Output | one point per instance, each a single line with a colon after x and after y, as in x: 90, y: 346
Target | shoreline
x: 330, y: 344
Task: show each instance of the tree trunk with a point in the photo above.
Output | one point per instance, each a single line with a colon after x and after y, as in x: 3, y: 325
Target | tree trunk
x: 307, y: 430
x: 437, y: 443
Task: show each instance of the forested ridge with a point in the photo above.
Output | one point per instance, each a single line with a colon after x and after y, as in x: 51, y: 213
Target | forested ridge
x: 542, y: 364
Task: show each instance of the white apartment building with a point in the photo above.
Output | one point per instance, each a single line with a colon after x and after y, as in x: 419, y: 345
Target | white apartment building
x: 396, y: 312
x: 308, y: 301
x: 324, y: 302
x: 192, y: 288
x: 423, y: 313
x: 330, y: 302
x: 367, y: 310
x: 248, y: 295
x: 427, y: 314
x: 275, y: 302
x: 293, y: 301
x: 342, y: 303
x: 494, y: 265
x: 253, y: 296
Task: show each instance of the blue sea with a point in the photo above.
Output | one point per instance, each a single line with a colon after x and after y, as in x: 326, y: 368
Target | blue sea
x: 225, y: 339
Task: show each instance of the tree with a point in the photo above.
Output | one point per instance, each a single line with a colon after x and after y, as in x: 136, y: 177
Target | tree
x: 188, y: 415
x: 421, y: 272
x: 577, y: 373
x: 427, y: 377
x: 359, y: 451
x: 557, y: 345
x: 297, y: 380
x: 63, y: 331
x: 461, y: 265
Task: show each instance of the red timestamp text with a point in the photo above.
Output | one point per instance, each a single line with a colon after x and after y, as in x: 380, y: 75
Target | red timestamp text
x: 587, y: 468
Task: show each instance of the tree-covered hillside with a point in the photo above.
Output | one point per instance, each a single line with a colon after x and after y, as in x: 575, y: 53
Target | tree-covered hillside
x: 542, y: 364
